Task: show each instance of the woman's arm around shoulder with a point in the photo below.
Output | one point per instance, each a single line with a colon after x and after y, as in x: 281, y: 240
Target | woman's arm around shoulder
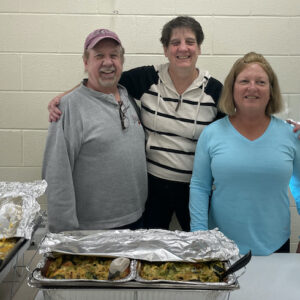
x: 54, y: 111
x: 296, y: 126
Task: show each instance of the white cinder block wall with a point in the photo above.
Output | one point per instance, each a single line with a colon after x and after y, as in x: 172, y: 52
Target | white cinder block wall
x: 41, y: 46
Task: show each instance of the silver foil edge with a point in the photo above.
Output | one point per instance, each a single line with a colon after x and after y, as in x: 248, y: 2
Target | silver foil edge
x: 19, y: 209
x: 150, y: 245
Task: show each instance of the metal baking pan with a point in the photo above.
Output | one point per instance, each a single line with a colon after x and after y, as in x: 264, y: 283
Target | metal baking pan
x: 15, y: 255
x: 131, y: 293
x: 20, y: 241
x: 12, y: 252
x: 229, y: 284
x: 38, y: 279
x: 86, y: 285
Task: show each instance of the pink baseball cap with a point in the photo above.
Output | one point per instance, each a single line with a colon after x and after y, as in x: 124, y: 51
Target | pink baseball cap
x: 97, y: 35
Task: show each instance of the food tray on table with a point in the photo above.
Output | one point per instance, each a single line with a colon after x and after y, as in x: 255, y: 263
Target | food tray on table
x: 85, y: 270
x: 16, y: 244
x: 39, y: 279
x: 11, y: 259
x: 19, y: 218
x: 152, y: 246
x: 200, y: 275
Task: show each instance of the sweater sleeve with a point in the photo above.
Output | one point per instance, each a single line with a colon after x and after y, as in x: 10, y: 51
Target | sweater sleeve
x: 138, y: 80
x: 200, y: 186
x: 295, y: 180
x: 59, y: 157
x: 214, y: 89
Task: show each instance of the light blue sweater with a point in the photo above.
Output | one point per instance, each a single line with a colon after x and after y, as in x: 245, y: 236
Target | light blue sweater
x: 250, y: 179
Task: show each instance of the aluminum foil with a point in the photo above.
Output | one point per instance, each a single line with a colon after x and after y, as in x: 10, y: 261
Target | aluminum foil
x: 19, y: 208
x: 150, y: 245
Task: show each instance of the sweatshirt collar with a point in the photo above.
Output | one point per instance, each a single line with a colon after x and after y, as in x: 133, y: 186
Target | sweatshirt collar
x: 102, y: 96
x: 164, y: 76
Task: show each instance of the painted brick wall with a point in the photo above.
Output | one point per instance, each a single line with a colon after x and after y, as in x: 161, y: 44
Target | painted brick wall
x: 40, y: 56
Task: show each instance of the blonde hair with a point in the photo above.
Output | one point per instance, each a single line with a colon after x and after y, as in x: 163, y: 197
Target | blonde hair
x: 226, y: 102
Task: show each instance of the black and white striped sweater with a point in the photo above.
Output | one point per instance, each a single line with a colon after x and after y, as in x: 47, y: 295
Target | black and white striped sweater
x: 172, y: 122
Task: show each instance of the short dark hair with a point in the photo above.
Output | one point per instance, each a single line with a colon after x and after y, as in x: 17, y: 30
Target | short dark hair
x: 181, y: 21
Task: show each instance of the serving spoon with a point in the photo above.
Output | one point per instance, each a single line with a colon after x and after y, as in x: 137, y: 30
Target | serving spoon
x: 243, y: 261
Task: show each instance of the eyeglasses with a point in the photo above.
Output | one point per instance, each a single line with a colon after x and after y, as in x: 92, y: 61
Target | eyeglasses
x: 122, y: 113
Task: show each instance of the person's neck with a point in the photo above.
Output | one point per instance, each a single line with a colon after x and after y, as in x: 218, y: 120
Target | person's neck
x: 114, y: 91
x: 252, y: 126
x: 109, y: 90
x: 182, y: 78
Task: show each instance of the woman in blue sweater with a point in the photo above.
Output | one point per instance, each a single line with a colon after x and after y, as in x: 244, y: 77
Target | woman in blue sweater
x: 250, y: 158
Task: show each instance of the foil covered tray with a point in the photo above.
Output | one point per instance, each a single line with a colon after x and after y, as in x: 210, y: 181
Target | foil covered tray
x: 150, y: 245
x: 153, y: 245
x: 19, y: 208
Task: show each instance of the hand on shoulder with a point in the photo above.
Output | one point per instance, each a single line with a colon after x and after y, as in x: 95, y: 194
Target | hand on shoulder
x: 296, y: 126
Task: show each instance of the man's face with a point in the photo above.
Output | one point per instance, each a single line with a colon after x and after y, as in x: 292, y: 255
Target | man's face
x: 104, y: 65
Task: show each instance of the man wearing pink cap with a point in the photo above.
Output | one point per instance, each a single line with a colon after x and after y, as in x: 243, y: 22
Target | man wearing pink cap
x: 94, y: 160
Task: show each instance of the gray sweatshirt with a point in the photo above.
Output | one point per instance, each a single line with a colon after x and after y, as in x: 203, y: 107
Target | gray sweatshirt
x: 95, y: 170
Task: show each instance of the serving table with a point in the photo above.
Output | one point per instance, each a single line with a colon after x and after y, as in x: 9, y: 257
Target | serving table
x: 274, y: 277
